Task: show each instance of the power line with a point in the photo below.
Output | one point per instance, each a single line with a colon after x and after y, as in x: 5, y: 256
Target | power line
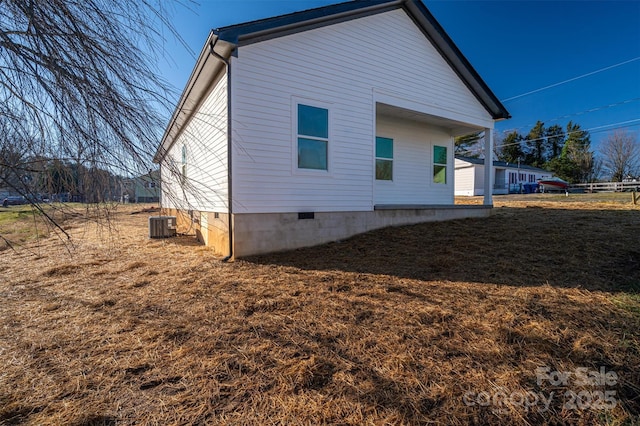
x: 571, y: 79
x: 597, y: 129
x: 590, y: 110
x: 628, y: 123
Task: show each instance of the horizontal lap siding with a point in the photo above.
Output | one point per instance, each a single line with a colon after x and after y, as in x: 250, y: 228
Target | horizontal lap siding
x: 465, y: 175
x: 412, y: 183
x: 339, y: 65
x: 205, y: 137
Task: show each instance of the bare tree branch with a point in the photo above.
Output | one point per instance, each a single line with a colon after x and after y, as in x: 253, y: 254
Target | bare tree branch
x: 79, y: 84
x: 621, y: 155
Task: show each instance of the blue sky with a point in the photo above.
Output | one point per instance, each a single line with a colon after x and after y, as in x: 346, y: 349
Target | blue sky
x: 516, y: 46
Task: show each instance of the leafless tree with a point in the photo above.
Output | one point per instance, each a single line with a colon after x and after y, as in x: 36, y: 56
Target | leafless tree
x: 79, y: 83
x: 620, y: 155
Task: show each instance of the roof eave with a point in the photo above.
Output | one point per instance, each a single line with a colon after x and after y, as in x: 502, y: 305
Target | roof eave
x: 458, y: 62
x: 278, y: 26
x: 498, y: 163
x: 225, y: 40
x: 265, y: 29
x: 207, y: 68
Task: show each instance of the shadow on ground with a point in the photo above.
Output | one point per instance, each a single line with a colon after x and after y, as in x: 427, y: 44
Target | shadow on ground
x: 591, y: 249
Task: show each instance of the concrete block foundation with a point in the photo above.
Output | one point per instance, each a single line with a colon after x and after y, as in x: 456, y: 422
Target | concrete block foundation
x: 211, y: 229
x: 259, y: 233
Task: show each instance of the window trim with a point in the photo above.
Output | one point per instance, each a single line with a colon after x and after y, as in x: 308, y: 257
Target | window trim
x: 295, y: 101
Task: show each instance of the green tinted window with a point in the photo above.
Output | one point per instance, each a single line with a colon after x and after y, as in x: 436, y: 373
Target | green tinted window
x: 439, y: 164
x: 184, y: 162
x: 384, y: 158
x: 313, y: 135
x: 440, y: 154
x: 384, y: 169
x: 312, y: 154
x: 439, y: 174
x: 313, y: 121
x: 384, y: 147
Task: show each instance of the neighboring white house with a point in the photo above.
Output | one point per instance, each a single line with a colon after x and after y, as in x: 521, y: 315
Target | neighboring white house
x: 314, y: 126
x: 509, y: 178
x: 146, y: 188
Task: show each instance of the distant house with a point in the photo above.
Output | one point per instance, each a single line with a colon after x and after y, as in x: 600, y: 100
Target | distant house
x: 313, y: 126
x: 508, y: 178
x: 146, y: 188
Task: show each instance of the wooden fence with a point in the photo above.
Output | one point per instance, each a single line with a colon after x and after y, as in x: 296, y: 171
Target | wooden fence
x: 608, y: 186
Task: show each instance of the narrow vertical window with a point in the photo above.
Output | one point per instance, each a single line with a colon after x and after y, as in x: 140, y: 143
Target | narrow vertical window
x: 439, y: 164
x: 384, y: 158
x: 313, y: 137
x: 184, y: 163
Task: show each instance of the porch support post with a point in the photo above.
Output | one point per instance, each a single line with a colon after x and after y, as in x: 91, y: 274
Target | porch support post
x: 488, y: 167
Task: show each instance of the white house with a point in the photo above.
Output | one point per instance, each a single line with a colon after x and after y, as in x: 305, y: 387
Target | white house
x: 313, y: 126
x: 509, y: 178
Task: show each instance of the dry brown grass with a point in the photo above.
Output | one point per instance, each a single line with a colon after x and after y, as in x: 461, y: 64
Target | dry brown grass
x: 391, y: 327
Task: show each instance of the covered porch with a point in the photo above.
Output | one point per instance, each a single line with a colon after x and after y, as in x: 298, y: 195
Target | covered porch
x: 414, y: 155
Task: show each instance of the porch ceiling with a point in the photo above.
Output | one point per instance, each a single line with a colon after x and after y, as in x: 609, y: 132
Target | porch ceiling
x: 456, y: 128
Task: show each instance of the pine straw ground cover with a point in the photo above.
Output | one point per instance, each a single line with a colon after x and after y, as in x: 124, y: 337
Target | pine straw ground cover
x: 439, y: 323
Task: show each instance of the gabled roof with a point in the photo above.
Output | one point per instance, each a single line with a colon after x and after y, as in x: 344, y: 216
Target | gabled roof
x: 222, y: 43
x: 496, y: 163
x: 265, y: 29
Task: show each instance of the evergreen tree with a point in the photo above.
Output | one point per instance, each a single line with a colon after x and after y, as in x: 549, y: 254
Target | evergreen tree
x: 555, y: 141
x: 564, y: 168
x: 536, y: 143
x: 577, y: 136
x: 577, y: 148
x: 510, y: 150
x: 467, y: 145
x: 576, y: 161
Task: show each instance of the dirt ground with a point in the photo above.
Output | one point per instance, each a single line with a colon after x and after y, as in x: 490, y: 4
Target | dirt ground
x: 531, y: 316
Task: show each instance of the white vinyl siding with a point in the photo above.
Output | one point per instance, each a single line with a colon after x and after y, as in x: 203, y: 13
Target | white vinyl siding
x: 413, y: 144
x: 203, y: 142
x: 464, y: 178
x: 341, y: 65
x: 469, y: 178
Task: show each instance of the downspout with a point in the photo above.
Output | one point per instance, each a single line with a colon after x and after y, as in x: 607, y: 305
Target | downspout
x: 229, y: 147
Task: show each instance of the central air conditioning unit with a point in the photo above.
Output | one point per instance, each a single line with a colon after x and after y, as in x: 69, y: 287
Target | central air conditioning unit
x: 162, y: 226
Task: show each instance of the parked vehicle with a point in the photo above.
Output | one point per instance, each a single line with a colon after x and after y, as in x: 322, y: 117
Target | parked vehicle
x: 14, y: 201
x: 553, y: 184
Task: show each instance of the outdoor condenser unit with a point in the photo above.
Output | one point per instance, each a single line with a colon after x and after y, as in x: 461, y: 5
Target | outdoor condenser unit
x: 162, y: 226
